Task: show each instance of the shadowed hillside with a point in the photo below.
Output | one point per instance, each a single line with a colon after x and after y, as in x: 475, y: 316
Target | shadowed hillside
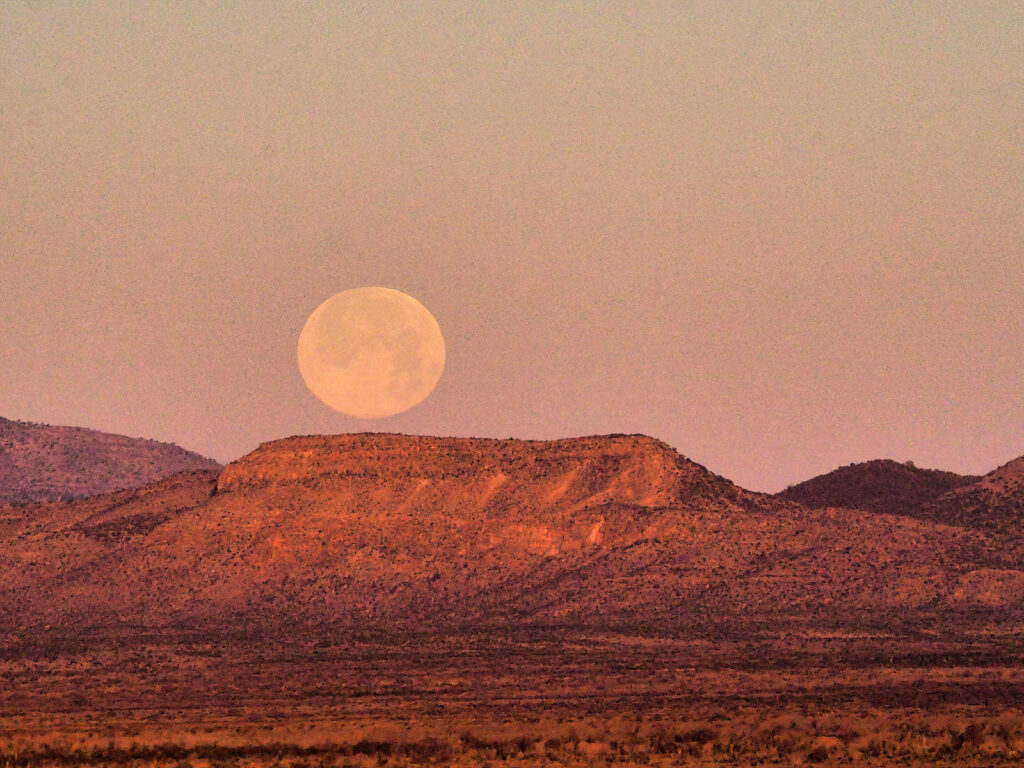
x: 993, y: 504
x: 882, y: 485
x: 39, y: 462
x: 399, y: 533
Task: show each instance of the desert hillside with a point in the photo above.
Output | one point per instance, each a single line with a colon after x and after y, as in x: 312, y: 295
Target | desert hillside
x: 391, y: 532
x: 993, y: 504
x: 39, y: 462
x: 881, y: 485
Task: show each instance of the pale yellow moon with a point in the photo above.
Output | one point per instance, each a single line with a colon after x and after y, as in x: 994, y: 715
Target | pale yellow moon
x: 371, y: 352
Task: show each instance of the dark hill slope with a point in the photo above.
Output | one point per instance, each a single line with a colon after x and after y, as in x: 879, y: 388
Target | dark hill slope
x: 39, y: 462
x: 882, y: 485
x: 993, y: 504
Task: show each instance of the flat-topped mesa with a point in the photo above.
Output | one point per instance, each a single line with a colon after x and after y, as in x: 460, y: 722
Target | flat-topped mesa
x: 627, y: 469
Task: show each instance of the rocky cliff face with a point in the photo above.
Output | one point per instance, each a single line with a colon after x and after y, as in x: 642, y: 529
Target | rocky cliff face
x: 39, y: 462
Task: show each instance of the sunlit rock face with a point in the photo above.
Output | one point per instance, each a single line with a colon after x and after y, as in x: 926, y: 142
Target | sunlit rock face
x: 375, y: 532
x: 580, y: 472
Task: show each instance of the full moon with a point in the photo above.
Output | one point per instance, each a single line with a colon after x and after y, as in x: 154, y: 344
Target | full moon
x: 371, y: 352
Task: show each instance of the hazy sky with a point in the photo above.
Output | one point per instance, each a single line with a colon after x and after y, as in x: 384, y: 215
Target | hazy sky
x: 780, y: 236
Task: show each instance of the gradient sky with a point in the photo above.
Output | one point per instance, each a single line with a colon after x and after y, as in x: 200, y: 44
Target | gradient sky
x: 780, y: 236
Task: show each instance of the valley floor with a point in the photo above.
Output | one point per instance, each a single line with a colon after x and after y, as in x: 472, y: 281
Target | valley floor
x: 817, y: 698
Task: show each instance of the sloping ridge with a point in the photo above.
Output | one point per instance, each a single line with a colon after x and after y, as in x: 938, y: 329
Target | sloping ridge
x: 993, y: 503
x: 403, y: 532
x: 39, y: 462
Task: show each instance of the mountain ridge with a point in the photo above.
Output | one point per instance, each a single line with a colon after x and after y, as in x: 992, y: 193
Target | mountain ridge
x: 992, y: 503
x: 878, y: 485
x: 414, y: 533
x: 41, y: 462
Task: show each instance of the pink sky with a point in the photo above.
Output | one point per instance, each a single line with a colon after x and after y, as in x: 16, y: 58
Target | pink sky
x: 779, y: 236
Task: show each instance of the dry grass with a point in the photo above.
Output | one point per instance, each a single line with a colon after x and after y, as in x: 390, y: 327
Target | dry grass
x: 590, y: 702
x: 738, y: 739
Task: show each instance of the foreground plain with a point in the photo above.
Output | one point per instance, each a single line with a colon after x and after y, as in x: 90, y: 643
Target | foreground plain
x: 529, y: 700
